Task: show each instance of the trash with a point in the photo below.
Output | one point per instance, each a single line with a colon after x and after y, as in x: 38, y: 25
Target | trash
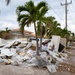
x: 56, y: 41
x: 7, y: 61
x: 19, y: 58
x: 16, y: 63
x: 6, y: 52
x: 53, y: 60
x: 49, y: 59
x: 1, y: 60
x: 23, y: 53
x: 61, y: 47
x: 12, y: 43
x: 32, y: 60
x: 13, y: 50
x: 33, y: 47
x: 41, y: 62
x: 50, y: 45
x: 28, y: 46
x: 22, y: 45
x: 51, y: 68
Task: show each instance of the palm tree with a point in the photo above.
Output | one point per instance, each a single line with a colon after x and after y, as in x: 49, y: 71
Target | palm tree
x: 52, y: 26
x: 31, y: 14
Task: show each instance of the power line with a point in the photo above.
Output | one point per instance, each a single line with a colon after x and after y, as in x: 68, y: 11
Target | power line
x: 73, y: 6
x: 71, y: 16
x: 54, y: 11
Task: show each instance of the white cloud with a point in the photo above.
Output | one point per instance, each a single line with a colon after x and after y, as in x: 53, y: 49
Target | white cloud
x: 8, y: 15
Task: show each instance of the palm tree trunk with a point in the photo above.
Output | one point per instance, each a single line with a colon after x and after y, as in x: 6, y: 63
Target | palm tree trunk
x: 41, y: 39
x: 36, y: 39
x: 22, y: 32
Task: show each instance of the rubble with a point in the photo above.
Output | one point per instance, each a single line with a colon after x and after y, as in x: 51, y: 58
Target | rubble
x: 51, y: 68
x: 18, y: 52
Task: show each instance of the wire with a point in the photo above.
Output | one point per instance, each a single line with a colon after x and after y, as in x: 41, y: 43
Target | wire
x: 54, y: 11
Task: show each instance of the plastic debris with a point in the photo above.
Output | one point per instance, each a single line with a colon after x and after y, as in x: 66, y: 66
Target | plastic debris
x: 51, y: 68
x: 7, y: 52
x: 18, y: 52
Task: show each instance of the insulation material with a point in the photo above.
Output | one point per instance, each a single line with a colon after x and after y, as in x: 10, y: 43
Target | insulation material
x: 7, y: 52
x: 51, y: 68
x: 56, y: 41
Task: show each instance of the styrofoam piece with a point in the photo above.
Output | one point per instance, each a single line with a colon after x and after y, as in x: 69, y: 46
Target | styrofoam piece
x: 9, y: 43
x: 2, y: 42
x: 51, y: 68
x: 19, y: 58
x: 13, y: 50
x: 6, y: 52
x: 56, y: 41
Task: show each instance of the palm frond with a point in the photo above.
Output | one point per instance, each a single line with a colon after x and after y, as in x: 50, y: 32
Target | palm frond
x: 41, y: 4
x: 21, y: 9
x: 43, y: 11
x: 22, y: 16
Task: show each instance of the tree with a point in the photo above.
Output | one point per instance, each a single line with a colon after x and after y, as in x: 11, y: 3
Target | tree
x: 31, y: 14
x: 52, y: 26
x: 5, y: 33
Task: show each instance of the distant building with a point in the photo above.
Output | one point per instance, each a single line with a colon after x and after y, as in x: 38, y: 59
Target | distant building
x: 15, y: 33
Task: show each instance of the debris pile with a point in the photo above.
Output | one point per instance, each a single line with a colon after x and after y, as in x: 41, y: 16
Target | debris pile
x: 18, y: 52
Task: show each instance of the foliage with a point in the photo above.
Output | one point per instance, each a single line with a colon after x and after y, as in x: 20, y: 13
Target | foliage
x: 5, y: 33
x: 30, y: 13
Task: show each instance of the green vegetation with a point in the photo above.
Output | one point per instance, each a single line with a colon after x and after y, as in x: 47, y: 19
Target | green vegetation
x: 31, y: 14
x: 5, y: 33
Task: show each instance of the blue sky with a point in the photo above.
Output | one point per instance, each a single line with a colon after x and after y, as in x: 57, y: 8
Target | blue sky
x: 8, y: 17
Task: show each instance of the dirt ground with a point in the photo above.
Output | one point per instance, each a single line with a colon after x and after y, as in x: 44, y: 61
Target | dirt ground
x: 66, y: 68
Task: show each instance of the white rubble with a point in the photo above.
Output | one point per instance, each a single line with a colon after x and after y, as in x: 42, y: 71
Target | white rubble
x: 21, y: 54
x: 51, y: 68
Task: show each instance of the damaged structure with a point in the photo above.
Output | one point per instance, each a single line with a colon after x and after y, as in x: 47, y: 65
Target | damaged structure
x: 20, y: 52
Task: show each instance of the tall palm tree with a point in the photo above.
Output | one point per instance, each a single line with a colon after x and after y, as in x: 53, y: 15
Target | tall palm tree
x: 31, y: 14
x: 42, y: 18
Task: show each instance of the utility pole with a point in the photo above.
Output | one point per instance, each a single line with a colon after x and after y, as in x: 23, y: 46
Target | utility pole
x: 66, y: 4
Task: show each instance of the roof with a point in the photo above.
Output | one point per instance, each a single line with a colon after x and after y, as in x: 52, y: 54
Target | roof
x: 18, y: 29
x: 25, y: 31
